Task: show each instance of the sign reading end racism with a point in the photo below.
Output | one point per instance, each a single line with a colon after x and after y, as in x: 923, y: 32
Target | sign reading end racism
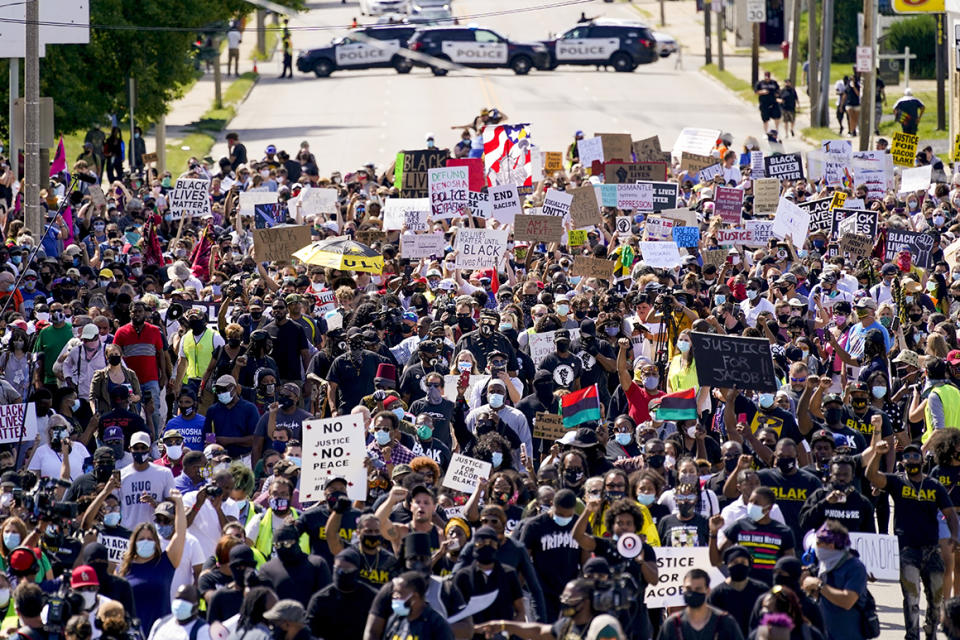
x: 733, y: 361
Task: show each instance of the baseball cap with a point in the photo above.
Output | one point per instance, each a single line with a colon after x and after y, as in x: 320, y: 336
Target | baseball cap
x: 286, y: 610
x: 90, y: 332
x: 165, y: 509
x: 226, y: 380
x: 822, y: 434
x: 113, y: 433
x: 106, y: 273
x: 84, y: 576
x: 140, y: 437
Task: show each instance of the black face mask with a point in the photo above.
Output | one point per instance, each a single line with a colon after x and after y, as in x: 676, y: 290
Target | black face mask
x: 912, y: 468
x: 140, y: 456
x: 101, y: 473
x: 465, y: 324
x: 694, y: 599
x: 544, y: 392
x: 256, y: 315
x: 486, y: 330
x: 197, y: 326
x: 234, y: 342
x: 786, y: 465
x: 114, y: 360
x: 685, y: 509
x: 573, y: 477
x: 738, y: 572
x: 833, y: 415
x: 563, y: 346
x: 345, y: 580
x: 289, y: 555
x: 656, y: 461
x: 371, y: 541
x: 730, y: 464
x: 485, y: 555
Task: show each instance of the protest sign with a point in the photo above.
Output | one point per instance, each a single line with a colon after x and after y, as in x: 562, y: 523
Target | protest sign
x: 448, y: 187
x: 856, y: 244
x: 693, y: 163
x: 116, y: 546
x: 592, y: 267
x: 370, y: 237
x: 821, y: 217
x: 904, y: 149
x: 760, y: 232
x: 673, y: 563
x: 791, y: 220
x: 576, y: 238
x: 505, y: 203
x: 191, y: 198
x: 450, y: 382
x: 96, y: 196
x: 714, y: 257
x: 879, y: 553
x: 584, y: 209
x: 405, y: 213
x: 474, y: 170
x: 616, y: 146
x: 464, y: 473
x: 149, y: 157
x: 915, y: 179
x: 657, y: 228
x: 15, y: 418
x: 728, y: 204
x: 737, y: 236
x: 590, y: 150
x: 919, y: 244
x: 541, y: 344
x: 698, y: 141
x: 726, y: 361
x: 686, y: 236
x: 269, y: 214
x: 787, y: 166
x: 665, y: 195
x: 707, y: 174
x: 662, y: 255
x: 624, y: 225
x: 756, y: 164
x: 537, y: 228
x: 647, y: 150
x: 835, y: 169
x: 314, y: 201
x: 552, y: 162
x: 279, y: 242
x: 619, y: 172
x: 250, y: 199
x: 411, y: 171
x: 863, y: 222
x: 556, y: 203
x: 421, y: 245
x: 548, y: 426
x: 333, y: 448
x: 838, y: 146
x: 480, y: 248
x: 839, y: 197
x: 479, y: 204
x: 686, y: 217
x: 606, y: 194
x: 766, y: 195
x: 327, y: 303
x: 951, y: 253
x: 636, y: 196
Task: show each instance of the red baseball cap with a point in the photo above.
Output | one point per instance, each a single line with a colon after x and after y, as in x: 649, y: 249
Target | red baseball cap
x: 84, y: 576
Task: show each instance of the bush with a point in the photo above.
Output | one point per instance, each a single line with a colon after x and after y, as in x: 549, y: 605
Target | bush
x: 920, y: 34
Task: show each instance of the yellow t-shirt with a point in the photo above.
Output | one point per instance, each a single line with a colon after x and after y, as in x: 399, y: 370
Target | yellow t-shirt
x: 680, y: 378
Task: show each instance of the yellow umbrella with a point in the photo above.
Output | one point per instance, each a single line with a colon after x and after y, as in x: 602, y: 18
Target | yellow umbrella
x: 341, y: 253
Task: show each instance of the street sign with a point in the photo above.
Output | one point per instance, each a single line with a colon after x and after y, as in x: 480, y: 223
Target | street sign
x: 919, y: 6
x: 864, y: 59
x: 756, y: 10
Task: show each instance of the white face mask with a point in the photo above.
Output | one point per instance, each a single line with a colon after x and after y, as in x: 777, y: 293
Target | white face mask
x: 174, y: 451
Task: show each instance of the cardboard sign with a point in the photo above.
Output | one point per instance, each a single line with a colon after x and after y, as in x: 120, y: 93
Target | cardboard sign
x: 552, y: 162
x: 589, y: 267
x: 951, y: 253
x: 314, y: 201
x: 616, y: 146
x: 734, y: 361
x: 737, y: 236
x: 584, y: 208
x: 590, y: 150
x: 715, y: 257
x: 576, y: 238
x: 474, y: 170
x: 18, y: 422
x: 919, y: 244
x: 880, y: 554
x: 620, y: 172
x: 693, y: 163
x: 548, y: 426
x: 711, y: 172
x: 915, y: 179
x: 606, y: 194
x: 333, y: 448
x: 657, y: 228
x: 465, y: 473
x: 370, y: 237
x: 661, y: 255
x: 728, y: 204
x: 250, y: 199
x: 821, y: 217
x: 422, y: 245
x: 647, y: 150
x: 791, y: 220
x: 478, y: 202
x: 686, y: 236
x: 624, y: 225
x: 904, y: 149
x: 665, y: 195
x: 411, y: 171
x: 538, y: 228
x: 637, y: 196
x: 279, y: 242
x: 686, y: 217
x: 149, y: 157
x: 191, y: 198
x: 787, y: 166
x: 405, y: 213
x: 480, y: 248
x: 448, y: 188
x: 766, y: 195
x: 556, y: 203
x: 505, y: 203
x: 96, y: 196
x: 673, y: 563
x: 856, y: 244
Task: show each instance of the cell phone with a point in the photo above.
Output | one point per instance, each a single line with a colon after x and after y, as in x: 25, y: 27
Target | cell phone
x: 116, y: 475
x: 895, y: 324
x: 741, y: 417
x: 523, y: 449
x: 464, y: 378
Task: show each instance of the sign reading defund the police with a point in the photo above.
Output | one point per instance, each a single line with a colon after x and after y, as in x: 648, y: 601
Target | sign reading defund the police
x: 475, y: 52
x: 449, y: 188
x: 333, y: 448
x: 587, y: 48
x: 190, y: 198
x: 464, y: 473
x: 673, y: 563
x: 356, y: 53
x: 480, y: 248
x: 18, y: 422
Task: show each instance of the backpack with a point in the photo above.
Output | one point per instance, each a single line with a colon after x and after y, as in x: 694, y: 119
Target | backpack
x: 869, y: 621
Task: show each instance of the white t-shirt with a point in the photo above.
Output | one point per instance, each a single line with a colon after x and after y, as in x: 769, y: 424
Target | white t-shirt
x: 169, y: 629
x: 206, y: 525
x: 233, y: 39
x: 192, y: 557
x: 46, y: 462
x: 155, y: 480
x: 752, y: 313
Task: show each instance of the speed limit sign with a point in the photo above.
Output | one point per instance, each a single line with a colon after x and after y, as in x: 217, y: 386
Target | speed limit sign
x: 624, y: 225
x: 756, y: 10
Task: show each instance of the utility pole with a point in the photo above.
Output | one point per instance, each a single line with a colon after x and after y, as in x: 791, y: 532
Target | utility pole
x: 794, y: 44
x: 720, y: 17
x: 706, y: 31
x: 161, y: 145
x: 813, y: 63
x: 261, y: 32
x: 826, y: 59
x: 941, y: 58
x: 868, y: 80
x: 14, y: 153
x: 33, y: 213
x: 132, y: 97
x: 663, y: 14
x: 755, y: 55
x: 217, y: 76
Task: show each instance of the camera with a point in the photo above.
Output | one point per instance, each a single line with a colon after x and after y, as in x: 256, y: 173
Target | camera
x: 213, y: 491
x: 616, y: 594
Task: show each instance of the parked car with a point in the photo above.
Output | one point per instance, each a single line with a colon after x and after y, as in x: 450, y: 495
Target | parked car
x: 621, y: 44
x: 477, y: 47
x: 370, y: 47
x: 665, y: 44
x: 430, y: 15
x: 379, y: 7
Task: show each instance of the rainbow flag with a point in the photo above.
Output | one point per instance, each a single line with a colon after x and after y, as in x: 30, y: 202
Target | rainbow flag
x: 580, y: 406
x: 680, y: 405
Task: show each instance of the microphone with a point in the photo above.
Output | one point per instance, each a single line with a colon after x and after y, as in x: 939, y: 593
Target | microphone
x: 75, y: 198
x: 82, y: 177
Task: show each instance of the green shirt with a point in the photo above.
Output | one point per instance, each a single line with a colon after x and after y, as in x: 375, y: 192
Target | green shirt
x: 50, y: 342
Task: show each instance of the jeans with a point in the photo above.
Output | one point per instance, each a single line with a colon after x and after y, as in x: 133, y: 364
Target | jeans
x: 921, y: 565
x: 154, y: 388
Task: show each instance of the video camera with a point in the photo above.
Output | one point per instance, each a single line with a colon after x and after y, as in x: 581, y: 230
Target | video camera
x: 616, y: 594
x: 40, y: 502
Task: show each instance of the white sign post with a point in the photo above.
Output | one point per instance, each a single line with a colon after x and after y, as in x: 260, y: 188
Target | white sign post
x: 333, y: 448
x: 464, y: 473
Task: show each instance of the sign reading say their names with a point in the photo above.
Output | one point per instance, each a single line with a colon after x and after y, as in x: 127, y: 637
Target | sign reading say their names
x: 279, y: 242
x: 480, y: 248
x: 465, y: 473
x: 726, y: 361
x: 191, y: 198
x: 17, y: 417
x: 448, y: 188
x: 505, y: 203
x: 333, y: 448
x: 535, y: 228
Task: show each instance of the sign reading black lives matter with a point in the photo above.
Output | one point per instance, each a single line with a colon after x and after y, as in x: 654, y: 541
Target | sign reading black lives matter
x: 919, y: 244
x: 664, y: 195
x: 733, y: 361
x: 821, y: 217
x: 787, y: 166
x: 190, y: 198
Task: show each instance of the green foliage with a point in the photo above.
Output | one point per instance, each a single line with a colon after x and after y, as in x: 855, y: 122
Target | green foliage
x: 844, y: 29
x: 919, y: 33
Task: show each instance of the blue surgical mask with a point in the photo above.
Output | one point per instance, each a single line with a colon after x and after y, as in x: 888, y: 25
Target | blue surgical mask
x: 182, y: 609
x: 75, y: 406
x: 719, y: 299
x: 646, y: 499
x: 562, y: 521
x: 11, y: 540
x: 146, y: 548
x: 878, y: 391
x: 295, y: 461
x: 399, y: 412
x: 496, y: 400
x: 754, y: 512
x: 165, y: 531
x: 382, y: 437
x: 766, y: 400
x: 225, y: 397
x: 400, y: 608
x: 752, y: 294
x: 112, y: 519
x: 575, y: 280
x: 506, y: 326
x: 623, y: 439
x: 497, y: 459
x: 683, y: 346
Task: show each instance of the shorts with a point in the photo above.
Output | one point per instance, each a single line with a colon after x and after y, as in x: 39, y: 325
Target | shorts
x: 789, y: 116
x: 768, y: 112
x: 944, y: 530
x: 853, y: 109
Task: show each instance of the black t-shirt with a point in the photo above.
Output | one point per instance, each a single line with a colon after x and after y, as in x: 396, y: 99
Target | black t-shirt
x: 313, y: 522
x: 917, y: 505
x: 224, y: 604
x: 565, y: 369
x: 738, y: 603
x: 766, y: 542
x: 862, y: 425
x: 480, y: 347
x: 433, y: 449
x: 852, y: 437
x: 336, y: 615
x: 429, y: 625
x: 772, y: 88
x: 288, y: 340
x: 128, y: 421
x: 411, y: 381
x: 782, y: 422
x: 453, y: 600
x: 852, y: 92
x: 788, y: 97
x: 607, y: 548
x: 440, y: 414
x: 212, y: 580
x: 555, y: 556
x: 675, y: 532
x: 791, y: 491
x: 472, y: 581
x: 855, y: 513
x: 949, y: 477
x: 720, y: 625
x: 296, y: 580
x: 353, y: 379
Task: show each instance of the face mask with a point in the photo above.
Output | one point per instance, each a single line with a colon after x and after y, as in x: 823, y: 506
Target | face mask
x: 931, y: 285
x: 886, y: 321
x: 692, y: 432
x: 225, y: 397
x: 651, y: 382
x: 424, y: 432
x: 43, y: 316
x: 656, y: 461
x: 506, y: 326
x: 165, y: 531
x: 719, y: 299
x: 729, y: 464
x: 400, y: 413
x: 572, y: 477
x: 912, y: 468
x: 146, y: 548
x: 786, y: 465
x: 112, y: 519
x: 497, y: 459
x: 371, y: 541
x: 751, y: 294
x: 186, y: 412
x: 57, y: 317
x: 563, y: 309
x: 75, y: 405
x: 829, y: 558
x: 89, y: 599
x: 434, y: 395
x: 766, y: 400
x: 400, y: 608
x: 878, y: 391
x: 912, y: 204
x: 938, y: 220
x: 563, y: 346
x: 486, y: 555
x: 496, y: 400
x: 279, y: 504
x: 685, y: 509
x: 683, y: 346
x: 839, y: 320
x: 612, y: 330
x: 11, y: 540
x: 694, y: 599
x: 754, y: 512
x: 182, y: 609
x: 345, y: 580
x: 140, y: 456
x: 382, y: 437
x: 197, y: 326
x: 833, y: 415
x: 623, y: 439
x: 646, y: 499
x: 562, y: 521
x: 114, y: 360
x: 738, y: 572
x: 465, y: 366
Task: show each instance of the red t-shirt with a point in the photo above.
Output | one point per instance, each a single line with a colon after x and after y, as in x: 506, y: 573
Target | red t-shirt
x: 638, y: 402
x: 17, y: 298
x: 140, y: 350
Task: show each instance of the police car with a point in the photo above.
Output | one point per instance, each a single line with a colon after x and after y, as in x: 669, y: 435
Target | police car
x: 620, y: 44
x: 371, y: 47
x: 476, y: 47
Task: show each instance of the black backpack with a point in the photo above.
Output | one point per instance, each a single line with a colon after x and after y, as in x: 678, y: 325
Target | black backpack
x: 869, y: 620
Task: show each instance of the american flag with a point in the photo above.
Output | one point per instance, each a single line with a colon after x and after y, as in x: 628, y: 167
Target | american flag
x: 506, y: 155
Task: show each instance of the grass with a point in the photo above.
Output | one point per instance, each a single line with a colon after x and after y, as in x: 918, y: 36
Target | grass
x: 270, y: 39
x: 736, y: 84
x: 779, y: 69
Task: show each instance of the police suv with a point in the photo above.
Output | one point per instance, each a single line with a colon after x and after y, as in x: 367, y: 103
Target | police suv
x: 370, y: 47
x: 620, y: 44
x: 476, y: 47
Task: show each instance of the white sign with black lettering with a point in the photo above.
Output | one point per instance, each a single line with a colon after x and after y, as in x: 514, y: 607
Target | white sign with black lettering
x: 116, y: 546
x: 480, y: 248
x: 361, y: 53
x: 556, y: 203
x: 191, y: 198
x: 13, y: 417
x: 879, y: 553
x: 333, y: 448
x: 408, y: 213
x: 624, y: 225
x: 505, y: 202
x: 475, y: 52
x: 586, y: 48
x: 479, y: 203
x: 673, y: 563
x: 464, y: 473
